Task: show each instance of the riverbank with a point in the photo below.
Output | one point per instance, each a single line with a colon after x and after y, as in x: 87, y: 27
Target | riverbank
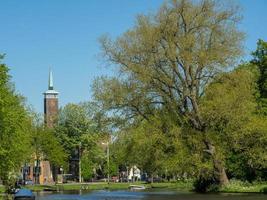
x: 111, y: 186
x: 244, y: 187
x: 233, y: 187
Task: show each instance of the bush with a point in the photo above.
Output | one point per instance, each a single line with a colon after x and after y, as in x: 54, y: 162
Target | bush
x: 206, y: 183
x: 264, y: 190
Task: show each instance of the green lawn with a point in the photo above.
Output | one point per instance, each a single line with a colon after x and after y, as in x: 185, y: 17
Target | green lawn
x: 233, y: 187
x: 112, y: 186
x: 239, y: 187
x: 2, y: 188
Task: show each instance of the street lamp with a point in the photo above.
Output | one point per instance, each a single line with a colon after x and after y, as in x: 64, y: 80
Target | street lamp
x: 80, y: 168
x: 107, y: 143
x: 37, y: 171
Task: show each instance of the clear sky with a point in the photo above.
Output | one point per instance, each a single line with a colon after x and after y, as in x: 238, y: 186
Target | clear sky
x: 63, y: 34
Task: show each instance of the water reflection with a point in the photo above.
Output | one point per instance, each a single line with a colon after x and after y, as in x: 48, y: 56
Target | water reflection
x: 144, y: 195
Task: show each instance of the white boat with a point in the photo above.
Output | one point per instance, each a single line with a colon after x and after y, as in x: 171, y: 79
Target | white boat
x: 137, y: 187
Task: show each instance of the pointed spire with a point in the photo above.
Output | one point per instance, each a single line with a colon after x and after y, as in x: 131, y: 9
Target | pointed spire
x: 50, y: 82
x: 50, y: 90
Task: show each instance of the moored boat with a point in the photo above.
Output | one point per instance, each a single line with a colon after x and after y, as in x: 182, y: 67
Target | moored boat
x: 137, y: 187
x: 24, y: 194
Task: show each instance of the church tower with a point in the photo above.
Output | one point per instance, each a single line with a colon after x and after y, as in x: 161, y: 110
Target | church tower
x: 50, y: 103
x: 42, y: 171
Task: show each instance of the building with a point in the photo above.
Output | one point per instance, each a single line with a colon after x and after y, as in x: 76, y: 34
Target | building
x: 134, y: 174
x: 50, y: 103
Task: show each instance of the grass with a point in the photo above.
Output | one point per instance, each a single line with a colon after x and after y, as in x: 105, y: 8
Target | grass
x: 2, y: 189
x: 244, y: 187
x: 111, y: 186
x: 180, y: 185
x: 234, y: 186
x: 89, y: 186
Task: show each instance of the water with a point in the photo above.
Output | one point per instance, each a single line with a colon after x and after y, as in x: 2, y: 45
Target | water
x: 144, y: 195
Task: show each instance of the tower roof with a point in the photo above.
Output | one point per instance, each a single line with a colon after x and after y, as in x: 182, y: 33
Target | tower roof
x: 50, y: 84
x: 50, y: 80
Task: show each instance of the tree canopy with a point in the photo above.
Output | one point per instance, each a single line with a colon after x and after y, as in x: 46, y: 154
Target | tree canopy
x: 23, y: 137
x: 15, y: 126
x: 167, y: 60
x: 81, y: 128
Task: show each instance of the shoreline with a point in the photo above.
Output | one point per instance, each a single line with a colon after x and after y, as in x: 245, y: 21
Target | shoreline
x: 234, y: 187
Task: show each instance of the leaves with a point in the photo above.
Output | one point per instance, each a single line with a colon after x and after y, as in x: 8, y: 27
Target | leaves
x: 83, y: 126
x: 15, y: 126
x: 178, y: 64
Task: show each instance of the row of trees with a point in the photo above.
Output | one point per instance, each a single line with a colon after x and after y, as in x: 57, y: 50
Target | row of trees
x: 177, y: 107
x: 15, y: 124
x: 23, y: 136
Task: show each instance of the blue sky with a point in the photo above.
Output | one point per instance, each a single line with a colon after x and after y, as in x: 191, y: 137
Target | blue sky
x: 63, y: 34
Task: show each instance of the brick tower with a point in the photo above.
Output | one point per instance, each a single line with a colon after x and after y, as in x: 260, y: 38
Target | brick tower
x: 46, y: 173
x: 50, y: 103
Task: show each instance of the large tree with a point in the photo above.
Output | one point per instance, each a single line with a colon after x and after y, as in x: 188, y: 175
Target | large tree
x: 45, y: 145
x: 15, y: 128
x: 166, y: 61
x: 81, y: 131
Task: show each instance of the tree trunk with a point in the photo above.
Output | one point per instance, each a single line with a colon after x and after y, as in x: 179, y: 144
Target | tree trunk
x: 220, y: 173
x: 219, y: 170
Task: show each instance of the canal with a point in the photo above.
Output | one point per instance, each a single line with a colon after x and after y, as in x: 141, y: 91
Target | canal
x: 144, y: 195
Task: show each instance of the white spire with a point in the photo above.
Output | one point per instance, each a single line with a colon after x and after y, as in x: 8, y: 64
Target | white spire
x: 50, y: 93
x: 50, y: 82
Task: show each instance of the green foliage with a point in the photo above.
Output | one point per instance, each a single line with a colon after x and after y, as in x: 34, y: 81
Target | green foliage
x: 238, y: 168
x: 47, y: 147
x: 15, y: 127
x: 238, y: 186
x: 167, y: 59
x: 260, y: 60
x: 73, y: 123
x: 87, y: 167
x: 229, y: 101
x: 158, y: 148
x: 228, y: 105
x: 82, y: 126
x: 247, y: 161
x: 142, y: 146
x: 230, y: 108
x: 166, y: 62
x: 264, y: 190
x: 206, y: 183
x: 260, y: 63
x: 229, y: 111
x: 113, y: 169
x: 22, y: 135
